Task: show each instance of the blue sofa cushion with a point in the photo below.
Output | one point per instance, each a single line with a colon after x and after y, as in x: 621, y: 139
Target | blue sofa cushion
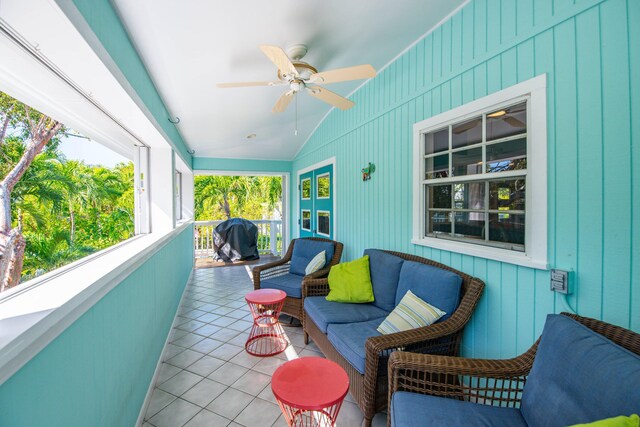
x: 324, y: 312
x: 303, y: 252
x: 438, y: 287
x: 385, y: 272
x: 412, y: 409
x: 348, y: 339
x: 579, y: 376
x: 290, y: 283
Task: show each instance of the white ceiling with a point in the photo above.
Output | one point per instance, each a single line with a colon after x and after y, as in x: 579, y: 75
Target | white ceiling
x: 188, y: 47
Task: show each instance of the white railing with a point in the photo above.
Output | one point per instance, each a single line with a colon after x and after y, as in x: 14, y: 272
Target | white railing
x: 269, y: 237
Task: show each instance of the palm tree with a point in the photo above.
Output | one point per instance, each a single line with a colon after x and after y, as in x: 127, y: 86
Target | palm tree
x: 217, y: 191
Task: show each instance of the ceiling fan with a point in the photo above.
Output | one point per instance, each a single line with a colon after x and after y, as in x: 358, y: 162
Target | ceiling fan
x: 506, y: 115
x: 299, y: 75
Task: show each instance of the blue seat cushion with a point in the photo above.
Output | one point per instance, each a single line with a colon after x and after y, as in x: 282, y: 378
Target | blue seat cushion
x: 348, y: 339
x: 579, y: 376
x: 385, y: 272
x: 290, y: 283
x: 303, y: 252
x: 438, y: 287
x: 324, y: 312
x: 413, y: 409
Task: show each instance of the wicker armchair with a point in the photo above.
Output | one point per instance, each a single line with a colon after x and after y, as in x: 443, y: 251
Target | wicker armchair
x: 293, y: 306
x: 491, y: 382
x: 370, y: 390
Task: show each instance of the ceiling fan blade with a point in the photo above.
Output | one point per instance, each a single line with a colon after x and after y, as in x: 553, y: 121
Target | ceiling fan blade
x: 465, y: 127
x: 358, y: 72
x: 515, y: 122
x: 248, y: 84
x: 330, y: 97
x: 278, y: 57
x: 283, y: 102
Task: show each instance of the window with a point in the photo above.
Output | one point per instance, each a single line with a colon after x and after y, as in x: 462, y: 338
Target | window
x: 178, y: 195
x: 480, y: 170
x: 323, y: 186
x: 306, y: 220
x: 323, y: 221
x: 306, y: 189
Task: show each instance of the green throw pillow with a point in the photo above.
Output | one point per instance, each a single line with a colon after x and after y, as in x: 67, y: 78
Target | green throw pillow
x: 621, y: 421
x: 351, y: 282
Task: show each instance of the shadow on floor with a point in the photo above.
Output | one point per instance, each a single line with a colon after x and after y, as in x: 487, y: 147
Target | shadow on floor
x: 210, y: 263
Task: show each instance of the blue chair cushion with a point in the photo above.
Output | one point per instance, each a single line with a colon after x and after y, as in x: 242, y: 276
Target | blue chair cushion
x: 303, y: 252
x: 438, y: 287
x: 348, y: 339
x: 385, y: 272
x: 413, y: 409
x: 579, y: 376
x: 290, y: 283
x: 324, y: 312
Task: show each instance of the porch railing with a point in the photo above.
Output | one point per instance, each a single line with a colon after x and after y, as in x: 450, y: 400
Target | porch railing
x: 269, y: 237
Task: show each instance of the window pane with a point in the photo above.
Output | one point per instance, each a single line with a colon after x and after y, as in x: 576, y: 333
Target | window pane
x: 324, y: 191
x: 306, y: 188
x: 469, y: 195
x: 466, y: 133
x: 470, y: 224
x: 439, y: 196
x: 507, y: 195
x: 508, y: 228
x: 306, y: 220
x: 436, y: 167
x: 323, y: 223
x: 507, y: 156
x: 437, y: 141
x: 467, y: 162
x: 507, y: 122
x: 438, y: 222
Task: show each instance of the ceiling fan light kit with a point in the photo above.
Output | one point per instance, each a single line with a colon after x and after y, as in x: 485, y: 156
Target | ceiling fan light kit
x: 300, y: 75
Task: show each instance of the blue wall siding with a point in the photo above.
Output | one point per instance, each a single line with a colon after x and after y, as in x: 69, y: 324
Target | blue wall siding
x: 589, y: 50
x: 240, y: 165
x: 98, y: 370
x: 103, y: 20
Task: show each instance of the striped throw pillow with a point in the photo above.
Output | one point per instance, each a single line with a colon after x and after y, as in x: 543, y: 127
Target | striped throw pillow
x: 410, y: 313
x: 316, y: 263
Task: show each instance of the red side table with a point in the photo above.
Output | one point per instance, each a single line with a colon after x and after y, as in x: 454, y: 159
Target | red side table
x: 267, y: 337
x: 310, y: 391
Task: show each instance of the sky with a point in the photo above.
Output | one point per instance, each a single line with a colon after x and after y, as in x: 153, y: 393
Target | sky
x: 90, y: 151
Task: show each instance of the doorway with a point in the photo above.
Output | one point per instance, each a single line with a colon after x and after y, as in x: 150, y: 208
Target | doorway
x: 316, y: 200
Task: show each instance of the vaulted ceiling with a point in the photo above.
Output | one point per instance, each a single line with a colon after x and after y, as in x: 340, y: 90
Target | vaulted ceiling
x: 189, y: 47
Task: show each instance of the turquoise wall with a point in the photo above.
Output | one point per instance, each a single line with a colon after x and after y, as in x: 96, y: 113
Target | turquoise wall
x: 106, y: 25
x: 98, y: 370
x: 590, y: 51
x: 240, y: 165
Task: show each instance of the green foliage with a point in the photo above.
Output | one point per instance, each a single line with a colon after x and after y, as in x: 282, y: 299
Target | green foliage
x: 250, y: 197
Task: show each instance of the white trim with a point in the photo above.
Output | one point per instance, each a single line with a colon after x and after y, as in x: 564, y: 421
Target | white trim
x: 326, y: 162
x: 204, y: 172
x: 310, y: 191
x: 536, y: 199
x: 318, y: 212
x: 385, y: 66
x: 322, y: 175
x: 34, y: 318
x: 302, y: 219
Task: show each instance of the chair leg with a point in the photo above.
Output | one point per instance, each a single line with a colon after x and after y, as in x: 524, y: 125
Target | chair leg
x: 306, y: 338
x: 366, y: 422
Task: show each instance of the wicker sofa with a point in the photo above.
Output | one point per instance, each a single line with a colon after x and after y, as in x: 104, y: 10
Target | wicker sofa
x: 346, y: 333
x: 279, y: 274
x: 579, y: 371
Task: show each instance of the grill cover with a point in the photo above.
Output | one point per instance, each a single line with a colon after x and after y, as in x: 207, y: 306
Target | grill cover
x: 236, y: 239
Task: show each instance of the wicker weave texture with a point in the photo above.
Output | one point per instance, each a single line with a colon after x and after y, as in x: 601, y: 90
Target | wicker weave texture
x: 370, y: 390
x: 487, y: 381
x: 293, y: 306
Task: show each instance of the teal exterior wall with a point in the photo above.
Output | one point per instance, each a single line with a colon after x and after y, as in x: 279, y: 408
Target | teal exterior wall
x: 98, y: 370
x: 240, y: 165
x: 590, y: 51
x: 106, y: 25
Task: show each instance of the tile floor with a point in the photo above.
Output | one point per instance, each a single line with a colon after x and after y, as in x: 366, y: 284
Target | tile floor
x: 206, y: 378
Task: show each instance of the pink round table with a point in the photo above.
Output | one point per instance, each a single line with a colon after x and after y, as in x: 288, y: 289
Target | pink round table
x: 310, y: 391
x: 267, y: 337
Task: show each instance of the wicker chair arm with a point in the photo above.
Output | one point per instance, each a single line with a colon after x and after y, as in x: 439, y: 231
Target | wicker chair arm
x: 315, y: 287
x: 399, y: 340
x: 318, y: 274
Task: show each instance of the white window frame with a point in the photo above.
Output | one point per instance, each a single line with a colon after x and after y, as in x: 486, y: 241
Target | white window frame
x: 310, y: 189
x: 322, y: 175
x: 318, y: 212
x: 535, y: 254
x: 302, y: 219
x: 178, y: 194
